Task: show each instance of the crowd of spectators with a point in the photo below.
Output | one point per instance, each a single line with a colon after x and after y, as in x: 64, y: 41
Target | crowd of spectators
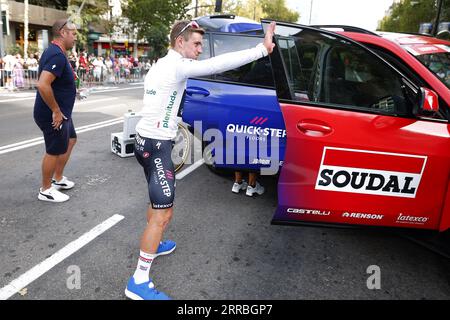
x: 18, y: 73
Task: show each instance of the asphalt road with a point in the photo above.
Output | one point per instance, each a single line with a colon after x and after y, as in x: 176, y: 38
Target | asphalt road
x: 226, y: 246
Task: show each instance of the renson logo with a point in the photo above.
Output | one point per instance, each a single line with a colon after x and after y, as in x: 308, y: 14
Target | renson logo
x: 369, y: 172
x: 256, y: 129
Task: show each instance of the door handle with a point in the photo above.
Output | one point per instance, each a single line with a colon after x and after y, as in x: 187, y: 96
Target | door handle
x: 314, y: 128
x: 190, y: 91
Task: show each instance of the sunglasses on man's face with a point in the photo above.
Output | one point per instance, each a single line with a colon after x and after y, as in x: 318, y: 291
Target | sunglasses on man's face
x: 68, y: 23
x: 63, y: 25
x: 192, y: 24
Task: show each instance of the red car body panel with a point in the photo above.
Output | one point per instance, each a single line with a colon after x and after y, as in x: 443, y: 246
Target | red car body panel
x: 371, y: 149
x: 445, y: 221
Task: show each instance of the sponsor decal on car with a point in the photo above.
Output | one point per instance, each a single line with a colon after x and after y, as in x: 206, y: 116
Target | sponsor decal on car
x: 403, y: 218
x: 308, y: 211
x: 370, y: 172
x: 359, y: 215
x: 254, y: 128
x: 264, y: 161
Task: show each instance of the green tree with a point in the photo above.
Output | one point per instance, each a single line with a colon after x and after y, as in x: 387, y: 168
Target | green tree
x: 251, y: 9
x: 407, y: 15
x: 152, y: 19
x: 93, y: 12
x: 277, y: 10
x: 207, y: 7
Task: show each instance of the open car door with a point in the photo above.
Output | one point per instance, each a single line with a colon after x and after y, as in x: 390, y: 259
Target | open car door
x: 357, y: 152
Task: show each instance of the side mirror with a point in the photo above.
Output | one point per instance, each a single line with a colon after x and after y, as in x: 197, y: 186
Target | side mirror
x: 428, y: 103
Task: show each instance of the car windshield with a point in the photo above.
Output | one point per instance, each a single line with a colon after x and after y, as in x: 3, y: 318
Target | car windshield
x: 436, y: 58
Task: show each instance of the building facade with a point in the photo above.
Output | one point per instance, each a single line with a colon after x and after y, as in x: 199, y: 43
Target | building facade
x: 41, y: 19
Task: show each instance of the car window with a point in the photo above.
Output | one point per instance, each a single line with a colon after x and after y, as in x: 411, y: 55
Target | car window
x: 326, y: 69
x: 399, y: 64
x: 439, y: 64
x: 255, y: 73
x: 206, y: 53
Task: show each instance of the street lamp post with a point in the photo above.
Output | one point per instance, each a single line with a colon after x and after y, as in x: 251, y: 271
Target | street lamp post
x: 436, y: 22
x: 1, y: 29
x: 310, y: 11
x: 25, y: 31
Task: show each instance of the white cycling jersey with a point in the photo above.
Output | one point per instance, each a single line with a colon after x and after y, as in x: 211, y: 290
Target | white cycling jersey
x: 166, y: 81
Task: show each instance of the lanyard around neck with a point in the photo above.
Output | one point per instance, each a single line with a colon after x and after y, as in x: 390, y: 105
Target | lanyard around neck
x: 64, y: 53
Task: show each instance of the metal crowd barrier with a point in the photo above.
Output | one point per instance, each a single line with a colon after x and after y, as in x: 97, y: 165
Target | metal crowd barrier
x: 27, y: 79
x: 18, y: 79
x: 99, y: 76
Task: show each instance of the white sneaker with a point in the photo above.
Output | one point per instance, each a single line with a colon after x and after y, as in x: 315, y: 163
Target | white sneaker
x: 63, y: 184
x: 259, y: 189
x: 239, y: 186
x: 52, y: 195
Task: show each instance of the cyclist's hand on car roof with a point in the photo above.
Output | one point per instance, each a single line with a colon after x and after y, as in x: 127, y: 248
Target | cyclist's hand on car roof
x: 268, y: 38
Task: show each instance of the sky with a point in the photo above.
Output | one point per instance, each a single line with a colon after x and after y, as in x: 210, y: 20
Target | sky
x: 358, y: 13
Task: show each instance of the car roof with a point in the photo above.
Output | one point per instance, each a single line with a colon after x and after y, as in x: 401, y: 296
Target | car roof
x: 228, y: 23
x: 407, y: 39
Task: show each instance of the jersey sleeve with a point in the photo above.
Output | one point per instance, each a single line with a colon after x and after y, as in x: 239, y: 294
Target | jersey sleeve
x: 55, y: 65
x: 192, y: 68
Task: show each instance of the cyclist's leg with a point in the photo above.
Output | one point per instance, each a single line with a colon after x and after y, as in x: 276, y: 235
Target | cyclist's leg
x: 161, y: 192
x: 161, y: 186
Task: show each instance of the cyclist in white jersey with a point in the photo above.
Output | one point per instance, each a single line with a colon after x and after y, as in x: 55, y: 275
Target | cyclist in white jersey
x: 164, y: 88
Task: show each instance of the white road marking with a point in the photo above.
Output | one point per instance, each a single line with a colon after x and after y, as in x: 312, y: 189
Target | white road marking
x: 92, y: 92
x: 16, y: 99
x: 94, y: 101
x: 33, y: 142
x: 100, y: 126
x: 34, y: 273
x: 188, y: 170
x: 100, y: 91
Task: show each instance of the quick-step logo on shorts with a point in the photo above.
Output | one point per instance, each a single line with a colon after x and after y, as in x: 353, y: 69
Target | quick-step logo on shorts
x: 162, y: 177
x: 370, y: 172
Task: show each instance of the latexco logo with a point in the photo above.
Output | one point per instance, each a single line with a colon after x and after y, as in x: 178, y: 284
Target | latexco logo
x: 411, y: 219
x: 369, y: 172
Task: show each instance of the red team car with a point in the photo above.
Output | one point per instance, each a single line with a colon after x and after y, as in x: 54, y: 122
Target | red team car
x: 368, y: 134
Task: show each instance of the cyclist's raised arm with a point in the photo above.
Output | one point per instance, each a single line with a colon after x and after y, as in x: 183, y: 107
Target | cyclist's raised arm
x: 193, y: 68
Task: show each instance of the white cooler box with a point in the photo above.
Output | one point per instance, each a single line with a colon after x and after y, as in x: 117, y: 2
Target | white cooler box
x: 130, y: 120
x: 122, y: 143
x: 120, y: 146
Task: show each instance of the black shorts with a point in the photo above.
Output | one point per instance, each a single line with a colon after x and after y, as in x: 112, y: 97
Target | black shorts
x: 155, y: 157
x: 57, y: 141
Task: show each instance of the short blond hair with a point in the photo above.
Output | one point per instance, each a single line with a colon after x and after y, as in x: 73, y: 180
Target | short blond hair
x: 176, y: 29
